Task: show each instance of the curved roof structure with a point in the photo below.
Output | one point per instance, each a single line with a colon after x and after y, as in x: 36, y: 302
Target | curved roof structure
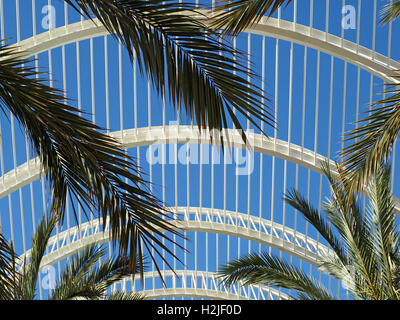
x: 320, y: 76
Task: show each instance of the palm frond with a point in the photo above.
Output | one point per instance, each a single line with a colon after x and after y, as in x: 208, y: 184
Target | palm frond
x: 10, y: 285
x: 87, y: 277
x: 176, y: 49
x: 71, y: 281
x: 30, y: 271
x: 235, y: 16
x: 78, y: 158
x: 396, y: 272
x: 333, y: 266
x: 342, y: 208
x: 126, y: 296
x: 366, y: 258
x: 312, y: 215
x: 372, y: 142
x: 346, y: 215
x: 383, y: 227
x: 390, y: 12
x: 270, y: 270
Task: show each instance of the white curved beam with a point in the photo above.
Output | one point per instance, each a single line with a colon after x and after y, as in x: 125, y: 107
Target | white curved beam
x: 365, y: 58
x: 31, y: 171
x: 192, y: 293
x: 209, y: 288
x: 371, y: 61
x: 219, y: 221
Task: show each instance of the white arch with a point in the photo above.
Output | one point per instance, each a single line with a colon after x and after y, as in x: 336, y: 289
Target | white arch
x: 71, y: 241
x: 209, y: 288
x: 190, y: 292
x: 31, y: 171
x: 365, y: 58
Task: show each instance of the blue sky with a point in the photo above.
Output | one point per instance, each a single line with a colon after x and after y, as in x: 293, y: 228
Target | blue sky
x: 308, y: 182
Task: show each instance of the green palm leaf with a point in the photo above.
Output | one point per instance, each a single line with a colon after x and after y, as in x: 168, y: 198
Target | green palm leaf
x: 172, y: 47
x: 373, y: 141
x: 40, y: 241
x: 297, y: 201
x: 396, y: 273
x: 87, y: 277
x: 270, y: 270
x: 346, y: 216
x: 186, y: 60
x: 9, y: 279
x: 366, y: 248
x: 235, y: 16
x: 391, y: 11
x: 80, y: 160
x: 356, y: 247
x: 126, y: 296
x: 23, y: 282
x: 383, y: 228
x: 363, y: 160
x: 375, y: 135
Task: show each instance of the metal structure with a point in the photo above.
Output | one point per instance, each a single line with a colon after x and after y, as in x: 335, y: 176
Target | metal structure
x: 319, y: 76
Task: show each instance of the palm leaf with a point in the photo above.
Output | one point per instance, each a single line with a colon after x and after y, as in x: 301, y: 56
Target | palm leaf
x: 357, y: 249
x: 71, y: 284
x: 270, y: 270
x: 383, y: 228
x: 297, y: 201
x: 10, y: 287
x: 391, y: 11
x: 396, y: 273
x: 174, y: 48
x: 373, y: 140
x: 87, y: 277
x: 345, y: 214
x: 235, y: 16
x: 81, y: 161
x: 31, y: 269
x: 333, y: 266
x: 366, y: 258
x: 126, y: 296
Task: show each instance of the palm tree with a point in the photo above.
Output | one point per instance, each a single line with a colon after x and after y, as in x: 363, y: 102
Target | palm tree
x: 375, y: 135
x: 365, y: 251
x: 85, y: 276
x: 187, y: 62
